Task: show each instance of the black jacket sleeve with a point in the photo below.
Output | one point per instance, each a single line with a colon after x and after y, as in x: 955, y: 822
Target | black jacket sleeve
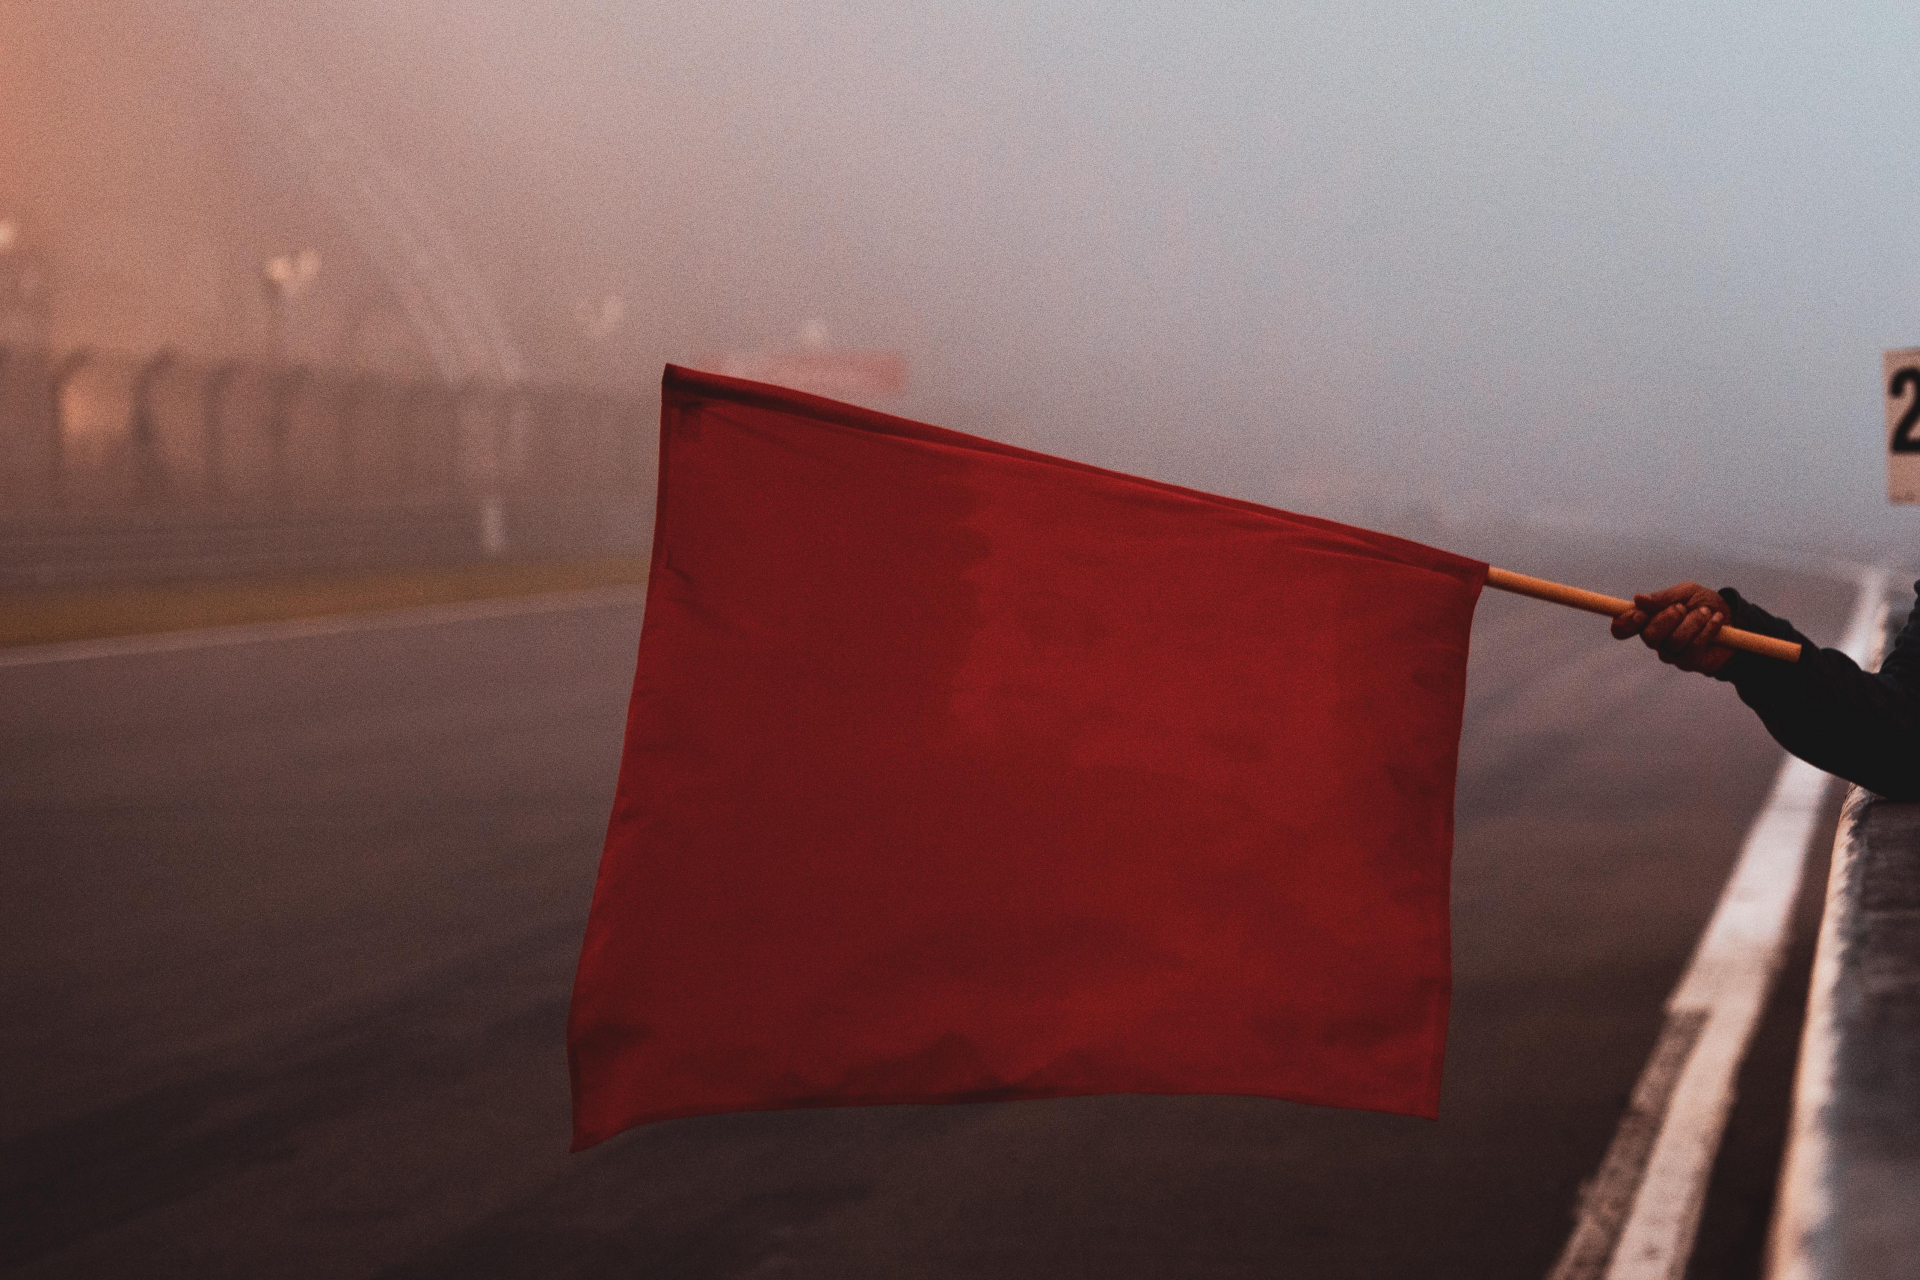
x: 1861, y: 726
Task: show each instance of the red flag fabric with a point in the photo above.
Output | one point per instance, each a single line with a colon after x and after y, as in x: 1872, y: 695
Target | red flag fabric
x: 959, y: 772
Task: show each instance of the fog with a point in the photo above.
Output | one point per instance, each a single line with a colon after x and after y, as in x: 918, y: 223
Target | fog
x: 1629, y: 269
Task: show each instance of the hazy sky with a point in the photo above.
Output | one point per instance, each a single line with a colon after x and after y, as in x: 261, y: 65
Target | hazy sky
x: 1632, y: 266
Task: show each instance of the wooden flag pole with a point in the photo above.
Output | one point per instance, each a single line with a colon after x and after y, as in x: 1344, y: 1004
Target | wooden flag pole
x: 1593, y: 602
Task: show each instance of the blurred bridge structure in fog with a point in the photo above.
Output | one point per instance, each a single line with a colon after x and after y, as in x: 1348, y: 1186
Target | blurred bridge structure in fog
x: 123, y: 467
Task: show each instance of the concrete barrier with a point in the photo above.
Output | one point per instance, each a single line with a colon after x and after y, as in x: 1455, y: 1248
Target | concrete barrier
x: 1849, y: 1203
x: 127, y: 468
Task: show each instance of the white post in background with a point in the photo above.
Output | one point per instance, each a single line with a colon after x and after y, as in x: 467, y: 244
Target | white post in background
x: 493, y: 526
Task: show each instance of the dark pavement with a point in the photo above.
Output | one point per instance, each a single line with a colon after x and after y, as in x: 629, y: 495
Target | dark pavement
x: 288, y: 930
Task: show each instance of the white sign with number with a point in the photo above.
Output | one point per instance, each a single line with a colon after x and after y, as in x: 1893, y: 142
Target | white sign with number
x: 1903, y: 425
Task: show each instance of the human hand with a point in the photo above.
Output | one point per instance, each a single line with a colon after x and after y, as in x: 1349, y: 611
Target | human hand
x: 1679, y: 624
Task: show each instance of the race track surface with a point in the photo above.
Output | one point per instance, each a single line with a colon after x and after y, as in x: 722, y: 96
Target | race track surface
x: 288, y: 929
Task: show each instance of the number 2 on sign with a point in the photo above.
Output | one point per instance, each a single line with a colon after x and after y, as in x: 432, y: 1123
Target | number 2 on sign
x: 1904, y: 381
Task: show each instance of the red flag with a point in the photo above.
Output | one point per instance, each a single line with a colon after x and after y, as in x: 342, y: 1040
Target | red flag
x: 959, y: 772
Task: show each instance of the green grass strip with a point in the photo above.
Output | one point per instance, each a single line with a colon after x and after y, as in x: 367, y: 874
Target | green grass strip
x: 48, y: 615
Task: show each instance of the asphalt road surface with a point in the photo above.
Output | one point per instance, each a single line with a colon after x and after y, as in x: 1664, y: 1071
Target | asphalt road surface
x: 288, y: 929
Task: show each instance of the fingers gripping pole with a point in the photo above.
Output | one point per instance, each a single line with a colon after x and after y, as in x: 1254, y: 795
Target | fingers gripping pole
x: 1593, y: 602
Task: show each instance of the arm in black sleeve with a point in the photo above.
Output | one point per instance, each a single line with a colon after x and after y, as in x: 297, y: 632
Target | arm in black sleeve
x: 1859, y: 725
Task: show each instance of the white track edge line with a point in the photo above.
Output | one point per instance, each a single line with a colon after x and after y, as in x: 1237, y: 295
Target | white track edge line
x: 1729, y: 979
x: 431, y: 615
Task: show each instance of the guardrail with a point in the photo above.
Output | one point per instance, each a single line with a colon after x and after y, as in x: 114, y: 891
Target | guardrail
x: 114, y: 465
x: 1849, y: 1203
